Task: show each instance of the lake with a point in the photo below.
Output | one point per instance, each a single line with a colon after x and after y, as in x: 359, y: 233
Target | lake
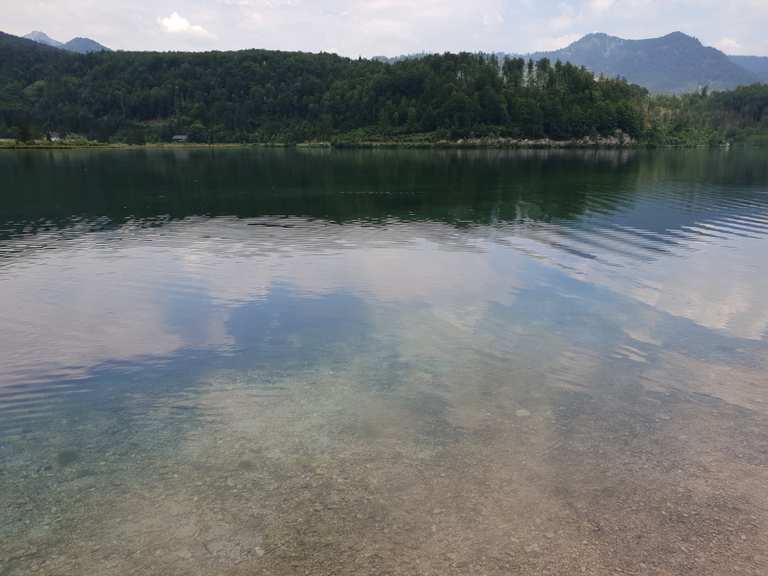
x: 246, y: 361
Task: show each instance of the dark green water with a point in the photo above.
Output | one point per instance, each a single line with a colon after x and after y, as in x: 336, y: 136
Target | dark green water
x: 314, y: 362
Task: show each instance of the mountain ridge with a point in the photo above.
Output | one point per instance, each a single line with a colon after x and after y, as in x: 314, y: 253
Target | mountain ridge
x: 672, y: 63
x: 757, y: 65
x: 42, y: 38
x: 78, y: 44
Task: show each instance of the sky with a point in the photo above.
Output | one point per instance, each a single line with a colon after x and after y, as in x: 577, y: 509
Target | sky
x: 385, y: 27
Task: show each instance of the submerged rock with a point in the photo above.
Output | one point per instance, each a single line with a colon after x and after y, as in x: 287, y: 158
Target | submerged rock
x: 67, y: 457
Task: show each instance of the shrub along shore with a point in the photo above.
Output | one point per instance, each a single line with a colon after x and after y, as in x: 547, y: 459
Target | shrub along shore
x: 415, y: 144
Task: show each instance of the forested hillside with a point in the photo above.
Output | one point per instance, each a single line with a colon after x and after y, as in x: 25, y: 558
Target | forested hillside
x: 267, y: 96
x: 709, y: 118
x: 259, y: 95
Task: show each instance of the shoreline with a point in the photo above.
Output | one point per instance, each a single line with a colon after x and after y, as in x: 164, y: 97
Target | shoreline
x: 465, y: 144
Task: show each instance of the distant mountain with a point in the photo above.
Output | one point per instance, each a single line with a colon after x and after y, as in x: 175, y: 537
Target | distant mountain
x: 43, y: 38
x: 673, y: 63
x: 84, y: 46
x: 79, y: 45
x: 757, y: 65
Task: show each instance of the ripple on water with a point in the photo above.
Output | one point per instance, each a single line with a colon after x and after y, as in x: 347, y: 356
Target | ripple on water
x: 278, y: 362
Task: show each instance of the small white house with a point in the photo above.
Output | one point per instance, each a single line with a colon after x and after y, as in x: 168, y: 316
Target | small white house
x: 181, y: 138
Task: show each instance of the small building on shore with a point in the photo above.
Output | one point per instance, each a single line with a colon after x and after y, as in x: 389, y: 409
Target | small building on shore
x: 180, y: 138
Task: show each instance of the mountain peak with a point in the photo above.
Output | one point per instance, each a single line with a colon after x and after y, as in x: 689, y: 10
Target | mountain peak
x: 84, y: 46
x: 676, y: 62
x: 79, y: 44
x: 594, y: 37
x: 681, y: 37
x: 43, y: 38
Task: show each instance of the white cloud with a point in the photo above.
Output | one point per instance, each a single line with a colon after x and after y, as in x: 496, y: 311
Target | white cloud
x: 601, y: 5
x: 556, y: 42
x: 729, y: 46
x: 177, y: 24
x: 564, y: 20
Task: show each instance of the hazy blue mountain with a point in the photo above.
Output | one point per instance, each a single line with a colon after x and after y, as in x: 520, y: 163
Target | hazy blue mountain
x: 79, y: 45
x: 673, y: 63
x: 757, y: 65
x: 43, y: 38
x: 84, y: 46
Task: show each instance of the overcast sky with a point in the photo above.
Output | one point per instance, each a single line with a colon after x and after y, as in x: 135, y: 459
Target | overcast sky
x: 386, y: 27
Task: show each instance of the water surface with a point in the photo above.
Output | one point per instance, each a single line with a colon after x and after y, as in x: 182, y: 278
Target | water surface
x: 316, y: 362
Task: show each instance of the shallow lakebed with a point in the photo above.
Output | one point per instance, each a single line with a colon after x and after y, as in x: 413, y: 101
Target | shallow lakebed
x: 383, y: 362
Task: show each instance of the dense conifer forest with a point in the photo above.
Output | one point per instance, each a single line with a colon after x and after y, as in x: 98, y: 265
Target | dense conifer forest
x: 269, y: 96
